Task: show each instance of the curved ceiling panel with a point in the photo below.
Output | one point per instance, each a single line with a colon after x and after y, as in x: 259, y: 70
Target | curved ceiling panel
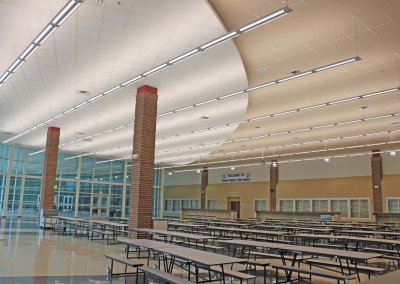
x: 103, y: 45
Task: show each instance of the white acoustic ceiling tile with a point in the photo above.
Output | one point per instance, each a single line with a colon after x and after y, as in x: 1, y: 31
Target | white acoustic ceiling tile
x: 84, y: 44
x: 89, y: 23
x: 92, y: 34
x: 93, y: 10
x: 66, y: 40
x: 117, y: 16
x: 116, y: 28
x: 187, y: 28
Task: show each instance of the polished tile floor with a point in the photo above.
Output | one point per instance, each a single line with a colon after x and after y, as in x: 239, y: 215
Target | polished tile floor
x: 29, y: 255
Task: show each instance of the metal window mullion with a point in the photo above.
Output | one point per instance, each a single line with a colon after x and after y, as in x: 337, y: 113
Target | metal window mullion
x: 7, y: 189
x: 124, y: 189
x: 21, y: 198
x: 78, y: 187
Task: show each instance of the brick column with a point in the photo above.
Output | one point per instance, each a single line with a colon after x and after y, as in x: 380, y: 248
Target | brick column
x: 140, y: 215
x: 50, y: 168
x: 204, y: 183
x: 376, y: 173
x: 273, y: 182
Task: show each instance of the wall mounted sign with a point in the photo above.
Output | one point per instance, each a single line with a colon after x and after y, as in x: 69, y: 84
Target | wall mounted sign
x: 236, y: 177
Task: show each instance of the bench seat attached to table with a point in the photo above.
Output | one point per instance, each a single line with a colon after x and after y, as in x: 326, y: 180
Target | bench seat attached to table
x: 161, y: 275
x: 290, y: 269
x: 127, y: 262
x: 352, y: 267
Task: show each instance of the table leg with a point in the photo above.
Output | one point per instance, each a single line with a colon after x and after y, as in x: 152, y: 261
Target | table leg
x: 223, y: 273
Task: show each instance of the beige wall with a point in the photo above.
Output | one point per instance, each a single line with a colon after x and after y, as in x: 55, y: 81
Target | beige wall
x: 391, y: 188
x: 247, y: 193
x: 350, y: 178
x: 348, y: 187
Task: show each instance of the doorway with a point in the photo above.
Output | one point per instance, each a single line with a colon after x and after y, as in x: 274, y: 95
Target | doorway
x: 234, y: 205
x: 67, y: 203
x: 99, y: 204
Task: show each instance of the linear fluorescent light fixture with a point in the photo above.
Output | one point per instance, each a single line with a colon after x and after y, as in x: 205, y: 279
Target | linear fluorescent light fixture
x: 294, y: 76
x: 112, y: 90
x: 133, y: 80
x: 112, y: 160
x: 273, y: 16
x: 37, y: 152
x: 155, y: 69
x: 41, y: 38
x: 338, y: 64
x: 81, y: 155
x: 184, y: 56
x: 219, y: 40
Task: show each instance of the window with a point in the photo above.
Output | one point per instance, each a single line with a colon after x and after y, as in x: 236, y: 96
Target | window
x: 359, y: 208
x: 194, y: 204
x: 286, y: 205
x: 320, y: 205
x: 212, y: 204
x: 261, y: 205
x: 340, y: 206
x: 303, y: 205
x: 394, y: 205
x: 185, y: 204
x: 168, y: 205
x: 176, y: 205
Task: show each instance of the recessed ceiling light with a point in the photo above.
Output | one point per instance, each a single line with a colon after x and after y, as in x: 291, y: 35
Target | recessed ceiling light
x: 84, y: 92
x: 258, y: 127
x: 205, y: 117
x: 327, y: 160
x: 261, y: 69
x: 364, y: 107
x: 296, y: 138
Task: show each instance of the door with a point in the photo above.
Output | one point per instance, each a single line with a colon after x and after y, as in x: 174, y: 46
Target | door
x: 100, y: 204
x: 67, y: 203
x: 235, y: 207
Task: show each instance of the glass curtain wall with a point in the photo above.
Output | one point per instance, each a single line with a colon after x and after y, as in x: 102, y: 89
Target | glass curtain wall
x: 85, y: 186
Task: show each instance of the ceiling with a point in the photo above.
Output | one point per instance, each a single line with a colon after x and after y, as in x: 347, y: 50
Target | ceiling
x: 106, y: 42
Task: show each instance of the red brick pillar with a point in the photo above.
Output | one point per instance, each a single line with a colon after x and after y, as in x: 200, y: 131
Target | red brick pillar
x: 273, y: 182
x: 50, y: 168
x: 204, y: 183
x: 140, y: 215
x: 376, y: 172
